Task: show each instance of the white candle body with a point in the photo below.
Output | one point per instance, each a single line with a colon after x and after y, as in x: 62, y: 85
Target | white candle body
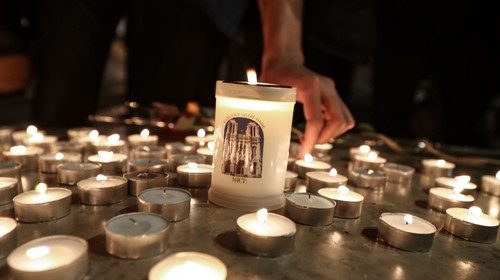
x: 451, y: 183
x: 7, y: 225
x: 35, y: 197
x: 450, y: 195
x: 114, y: 158
x: 189, y: 265
x: 275, y: 225
x: 200, y: 168
x: 324, y: 176
x: 335, y: 194
x: 419, y: 225
x: 463, y: 214
x: 93, y: 183
x: 315, y: 164
x: 310, y: 201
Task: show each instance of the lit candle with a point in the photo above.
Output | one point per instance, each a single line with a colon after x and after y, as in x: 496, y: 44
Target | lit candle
x: 437, y: 168
x: 194, y: 175
x: 26, y: 156
x: 19, y: 136
x: 76, y: 133
x: 368, y: 178
x: 171, y: 203
x: 369, y: 161
x: 48, y: 163
x: 147, y: 164
x: 156, y: 152
x: 89, y: 142
x: 8, y: 189
x: 13, y: 170
x: 42, y: 204
x: 443, y: 198
x: 189, y: 265
x: 143, y: 139
x: 361, y: 150
x: 45, y: 142
x: 471, y: 224
x: 398, y: 173
x: 491, y: 184
x: 179, y: 159
x: 200, y: 139
x: 112, y: 143
x: 406, y: 232
x: 8, y: 237
x: 309, y: 209
x: 253, y: 122
x: 111, y: 163
x: 70, y: 173
x: 143, y: 180
x: 308, y: 164
x: 178, y: 148
x: 266, y: 234
x: 349, y: 204
x: 136, y: 235
x: 207, y: 152
x: 316, y: 180
x: 290, y: 180
x: 462, y: 181
x: 102, y: 189
x: 50, y: 257
x: 322, y: 151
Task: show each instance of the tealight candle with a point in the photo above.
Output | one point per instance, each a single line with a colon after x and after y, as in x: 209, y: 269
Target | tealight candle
x: 77, y: 133
x: 70, y: 173
x: 102, y: 189
x: 437, y: 168
x: 207, y: 152
x: 290, y: 180
x: 316, y: 180
x: 179, y: 159
x: 194, y: 175
x: 471, y: 224
x: 19, y: 136
x: 5, y: 138
x: 11, y: 169
x: 370, y: 161
x: 26, y: 156
x: 50, y: 257
x: 490, y: 184
x: 143, y: 180
x: 441, y: 199
x: 322, y: 149
x: 200, y: 140
x: 462, y: 181
x: 136, y: 235
x: 398, y: 173
x: 112, y: 143
x: 349, y: 204
x: 361, y: 150
x: 368, y: 178
x: 157, y: 152
x: 48, y: 163
x: 111, y: 163
x: 266, y: 234
x: 308, y: 164
x: 8, y: 189
x: 89, y: 143
x: 68, y: 147
x: 45, y: 142
x: 172, y: 203
x: 8, y: 237
x: 189, y: 265
x: 406, y: 232
x: 149, y: 164
x: 143, y: 139
x: 309, y: 209
x: 174, y: 148
x: 42, y: 204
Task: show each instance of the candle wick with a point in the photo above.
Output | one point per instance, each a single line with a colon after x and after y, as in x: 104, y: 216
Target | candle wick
x: 133, y: 221
x: 309, y: 195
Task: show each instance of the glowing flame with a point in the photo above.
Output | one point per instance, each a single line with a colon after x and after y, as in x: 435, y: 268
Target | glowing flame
x: 262, y: 215
x: 365, y: 149
x: 113, y: 138
x: 37, y: 252
x: 101, y: 177
x: 252, y: 76
x: 201, y: 133
x: 458, y: 189
x: 144, y: 133
x: 370, y: 172
x: 462, y: 180
x: 440, y: 162
x: 18, y: 149
x: 372, y: 156
x: 498, y: 175
x: 192, y: 165
x: 31, y: 130
x: 37, y: 137
x: 308, y: 158
x: 211, y: 146
x: 408, y: 219
x: 343, y: 189
x: 105, y: 155
x: 475, y: 211
x: 333, y: 172
x: 94, y: 135
x: 59, y: 156
x: 41, y: 188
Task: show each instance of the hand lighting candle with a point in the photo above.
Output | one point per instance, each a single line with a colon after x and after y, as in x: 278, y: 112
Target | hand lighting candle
x: 308, y: 164
x: 406, y: 232
x: 266, y: 234
x: 471, y: 224
x: 189, y: 265
x: 8, y: 237
x: 491, y: 185
x: 172, y: 203
x: 26, y: 156
x: 441, y: 199
x: 143, y: 139
x: 349, y: 204
x: 309, y: 209
x: 48, y: 163
x: 194, y: 175
x: 321, y: 179
x: 207, y: 152
x: 42, y: 204
x: 70, y: 173
x: 8, y: 189
x: 462, y: 181
x: 143, y: 180
x: 111, y: 163
x: 102, y: 189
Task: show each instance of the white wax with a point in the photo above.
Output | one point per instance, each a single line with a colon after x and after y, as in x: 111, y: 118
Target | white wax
x: 323, y: 147
x: 93, y: 183
x: 77, y: 166
x: 201, y: 168
x: 7, y: 181
x: 164, y: 196
x: 435, y: 163
x: 315, y: 164
x: 72, y: 157
x: 137, y: 224
x: 6, y: 225
x: 114, y: 158
x: 205, y: 151
x: 20, y: 135
x: 104, y: 144
x: 275, y: 225
x: 35, y: 197
x: 30, y: 151
x: 310, y: 201
x: 335, y: 194
x: 356, y: 151
x: 47, y: 253
x: 451, y: 183
x: 47, y: 139
x: 464, y: 215
x: 365, y: 158
x: 137, y: 138
x: 450, y: 195
x: 192, y: 139
x: 189, y: 266
x: 419, y: 225
x: 325, y: 177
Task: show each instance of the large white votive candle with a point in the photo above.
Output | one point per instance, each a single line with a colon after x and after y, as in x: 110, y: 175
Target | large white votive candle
x: 189, y: 265
x: 252, y: 134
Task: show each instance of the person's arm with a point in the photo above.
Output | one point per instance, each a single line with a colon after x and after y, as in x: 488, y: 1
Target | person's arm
x: 283, y: 62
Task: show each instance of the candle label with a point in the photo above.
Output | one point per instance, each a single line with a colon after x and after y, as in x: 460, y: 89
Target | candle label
x: 242, y: 148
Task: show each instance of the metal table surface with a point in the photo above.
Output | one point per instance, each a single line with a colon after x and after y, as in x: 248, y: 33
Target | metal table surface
x: 346, y: 249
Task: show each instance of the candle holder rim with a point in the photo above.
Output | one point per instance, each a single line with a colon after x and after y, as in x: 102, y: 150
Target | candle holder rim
x: 13, y: 229
x: 291, y: 234
x: 415, y: 233
x: 398, y: 167
x: 161, y: 231
x: 125, y: 181
x: 95, y: 166
x: 450, y: 199
x: 14, y: 181
x: 307, y: 207
x: 136, y: 173
x: 16, y: 165
x: 43, y: 203
x: 162, y: 188
x: 470, y: 223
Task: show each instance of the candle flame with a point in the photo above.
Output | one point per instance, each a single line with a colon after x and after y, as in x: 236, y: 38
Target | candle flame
x: 37, y: 137
x: 308, y: 158
x: 144, y: 133
x: 462, y: 179
x: 201, y: 133
x: 343, y: 189
x: 114, y: 138
x: 59, y: 156
x: 41, y: 188
x: 105, y: 155
x: 475, y: 211
x: 498, y: 175
x: 365, y: 149
x: 192, y: 165
x: 37, y: 252
x: 333, y: 172
x: 370, y: 171
x: 372, y: 156
x: 18, y: 149
x: 458, y: 189
x: 440, y: 162
x: 101, y: 177
x: 93, y: 135
x: 262, y: 215
x: 252, y: 76
x: 211, y: 146
x: 31, y: 130
x: 408, y: 219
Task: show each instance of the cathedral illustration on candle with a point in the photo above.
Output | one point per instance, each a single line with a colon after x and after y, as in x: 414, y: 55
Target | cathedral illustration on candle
x: 242, y: 148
